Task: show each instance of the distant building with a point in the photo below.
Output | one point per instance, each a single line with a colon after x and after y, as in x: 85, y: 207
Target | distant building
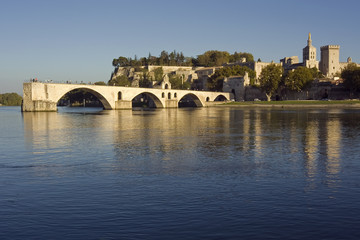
x: 329, y: 62
x: 164, y: 84
x: 309, y: 58
x: 309, y: 55
x: 236, y: 85
x: 290, y: 63
x: 198, y: 77
x: 203, y: 74
x: 255, y: 66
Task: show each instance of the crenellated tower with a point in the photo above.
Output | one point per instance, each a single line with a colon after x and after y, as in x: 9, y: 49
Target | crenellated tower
x: 329, y: 62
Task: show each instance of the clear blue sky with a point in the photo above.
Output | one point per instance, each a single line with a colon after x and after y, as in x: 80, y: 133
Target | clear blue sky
x: 77, y: 40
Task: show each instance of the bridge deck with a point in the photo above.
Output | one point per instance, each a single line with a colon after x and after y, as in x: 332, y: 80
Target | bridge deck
x: 44, y: 96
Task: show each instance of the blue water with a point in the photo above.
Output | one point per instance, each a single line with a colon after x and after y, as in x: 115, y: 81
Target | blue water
x: 206, y: 173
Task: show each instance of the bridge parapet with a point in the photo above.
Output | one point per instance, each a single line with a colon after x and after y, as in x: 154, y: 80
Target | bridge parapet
x: 44, y: 96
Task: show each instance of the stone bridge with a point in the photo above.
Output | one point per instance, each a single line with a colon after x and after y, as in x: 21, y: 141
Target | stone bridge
x: 45, y: 96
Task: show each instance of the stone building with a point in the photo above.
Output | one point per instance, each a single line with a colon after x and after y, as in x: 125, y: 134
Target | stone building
x: 203, y: 74
x: 309, y: 55
x: 237, y: 86
x: 290, y: 62
x: 164, y: 84
x: 188, y: 74
x: 255, y: 66
x: 309, y: 58
x: 330, y: 65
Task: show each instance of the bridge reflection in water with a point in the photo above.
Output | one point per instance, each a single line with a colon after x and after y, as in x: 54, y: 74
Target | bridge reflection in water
x: 219, y: 171
x: 255, y: 140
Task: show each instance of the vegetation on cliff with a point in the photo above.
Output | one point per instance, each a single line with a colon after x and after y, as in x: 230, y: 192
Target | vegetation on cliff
x: 120, y: 81
x: 177, y: 82
x: 10, y: 99
x: 218, y: 58
x: 215, y: 82
x: 207, y: 59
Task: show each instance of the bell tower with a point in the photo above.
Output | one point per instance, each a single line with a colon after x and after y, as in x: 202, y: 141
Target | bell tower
x: 309, y: 55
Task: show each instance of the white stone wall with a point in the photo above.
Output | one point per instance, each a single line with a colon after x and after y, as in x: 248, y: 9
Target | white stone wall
x: 169, y: 69
x: 329, y: 63
x: 44, y: 96
x: 259, y: 66
x: 235, y: 85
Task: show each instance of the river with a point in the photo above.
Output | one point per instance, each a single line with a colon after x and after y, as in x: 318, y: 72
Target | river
x: 190, y: 173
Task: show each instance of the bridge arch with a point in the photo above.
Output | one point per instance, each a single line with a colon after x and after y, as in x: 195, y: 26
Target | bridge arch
x: 39, y: 96
x: 153, y: 97
x: 98, y: 95
x: 220, y: 97
x: 191, y: 97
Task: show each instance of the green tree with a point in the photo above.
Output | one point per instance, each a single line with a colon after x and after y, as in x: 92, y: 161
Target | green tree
x: 351, y: 76
x: 172, y: 58
x: 181, y: 59
x: 10, y: 99
x: 299, y: 78
x: 145, y: 81
x: 158, y: 74
x: 316, y: 73
x: 215, y: 82
x: 270, y: 78
x: 213, y: 58
x: 209, y: 58
x: 119, y: 81
x: 164, y: 58
x: 151, y: 60
x: 178, y: 82
x: 120, y: 62
x: 238, y: 56
x: 115, y: 62
x: 100, y: 83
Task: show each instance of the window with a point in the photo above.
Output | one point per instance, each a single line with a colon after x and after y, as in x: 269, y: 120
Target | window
x: 119, y: 96
x: 163, y: 95
x: 169, y: 95
x: 175, y: 95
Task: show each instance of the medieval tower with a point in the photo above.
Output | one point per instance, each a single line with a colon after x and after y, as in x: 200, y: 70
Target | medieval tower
x: 329, y: 62
x: 309, y: 55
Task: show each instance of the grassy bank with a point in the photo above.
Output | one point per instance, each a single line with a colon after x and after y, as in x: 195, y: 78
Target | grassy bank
x: 352, y: 103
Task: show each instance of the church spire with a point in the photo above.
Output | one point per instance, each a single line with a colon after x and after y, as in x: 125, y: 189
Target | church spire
x: 309, y: 40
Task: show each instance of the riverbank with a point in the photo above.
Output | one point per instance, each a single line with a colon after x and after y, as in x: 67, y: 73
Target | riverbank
x: 298, y: 104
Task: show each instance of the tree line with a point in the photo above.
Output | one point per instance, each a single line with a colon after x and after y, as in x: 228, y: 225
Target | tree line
x: 351, y: 76
x: 10, y: 99
x: 215, y: 82
x: 272, y: 78
x: 207, y: 59
x: 146, y: 81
